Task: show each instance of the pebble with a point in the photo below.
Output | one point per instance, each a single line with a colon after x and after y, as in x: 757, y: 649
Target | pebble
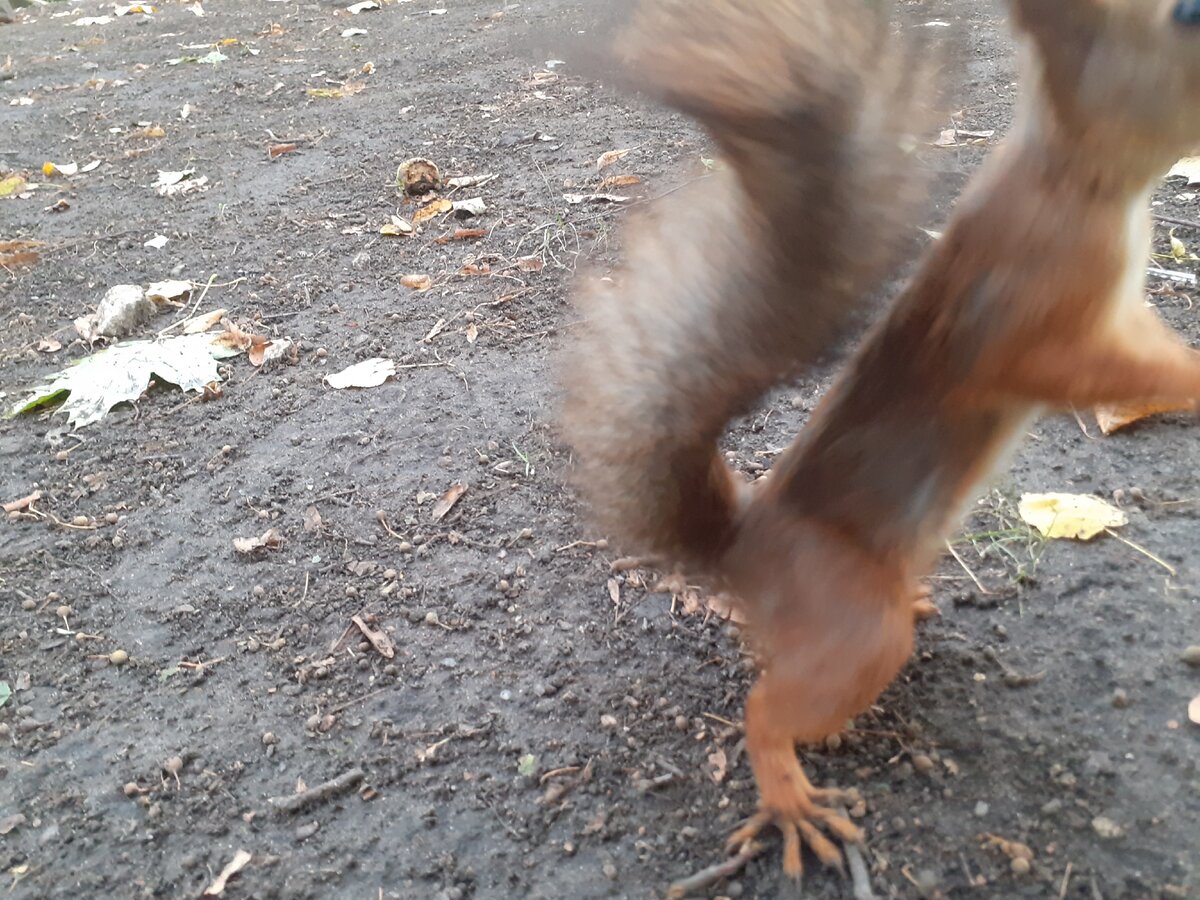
x: 922, y: 763
x: 1107, y: 828
x: 1120, y: 699
x: 1191, y: 656
x: 607, y: 721
x: 269, y: 738
x: 981, y: 809
x: 28, y: 603
x: 1021, y: 866
x: 304, y: 832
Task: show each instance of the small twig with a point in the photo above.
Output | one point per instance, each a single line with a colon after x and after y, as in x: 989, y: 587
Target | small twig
x: 1183, y: 223
x: 342, y: 707
x: 860, y: 878
x: 318, y: 794
x: 1062, y: 890
x: 962, y: 562
x: 706, y: 878
x: 1142, y: 550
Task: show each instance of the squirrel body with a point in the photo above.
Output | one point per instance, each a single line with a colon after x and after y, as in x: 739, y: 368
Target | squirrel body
x: 1032, y: 299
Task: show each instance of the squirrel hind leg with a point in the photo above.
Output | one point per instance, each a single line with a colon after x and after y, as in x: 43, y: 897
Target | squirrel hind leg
x: 787, y: 799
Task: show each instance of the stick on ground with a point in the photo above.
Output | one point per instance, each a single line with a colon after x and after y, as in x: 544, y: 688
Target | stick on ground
x: 318, y: 794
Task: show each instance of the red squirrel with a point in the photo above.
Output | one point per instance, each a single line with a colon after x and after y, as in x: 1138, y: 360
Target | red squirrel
x: 1032, y: 299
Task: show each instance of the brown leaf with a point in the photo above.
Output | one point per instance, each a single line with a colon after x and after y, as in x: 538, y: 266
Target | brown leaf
x: 472, y: 333
x: 722, y: 606
x: 451, y: 497
x: 475, y: 269
x: 613, y: 181
x: 13, y: 260
x: 430, y: 210
x: 233, y: 338
x: 417, y: 282
x: 531, y: 263
x: 614, y: 591
x: 1115, y: 416
x: 312, y: 519
x: 270, y: 539
x: 612, y: 156
x: 49, y: 345
x: 277, y: 150
x: 380, y: 641
x: 462, y: 234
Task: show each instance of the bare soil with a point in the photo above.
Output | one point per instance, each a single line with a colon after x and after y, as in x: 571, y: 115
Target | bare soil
x: 546, y: 728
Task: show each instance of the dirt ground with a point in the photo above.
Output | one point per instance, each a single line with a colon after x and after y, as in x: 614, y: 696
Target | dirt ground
x: 545, y: 728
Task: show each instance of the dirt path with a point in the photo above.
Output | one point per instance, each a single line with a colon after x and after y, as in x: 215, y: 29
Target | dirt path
x: 541, y: 730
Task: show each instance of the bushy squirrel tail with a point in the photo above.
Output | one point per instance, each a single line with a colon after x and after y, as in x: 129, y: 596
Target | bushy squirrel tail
x: 742, y: 278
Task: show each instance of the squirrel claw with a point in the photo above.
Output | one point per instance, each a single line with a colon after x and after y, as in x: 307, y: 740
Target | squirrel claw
x: 797, y: 827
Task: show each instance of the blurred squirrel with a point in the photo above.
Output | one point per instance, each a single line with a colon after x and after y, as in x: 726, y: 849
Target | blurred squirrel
x: 1033, y: 298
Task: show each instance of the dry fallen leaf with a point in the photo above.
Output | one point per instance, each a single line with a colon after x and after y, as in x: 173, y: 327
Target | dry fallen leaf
x: 1188, y: 167
x: 950, y: 137
x: 417, y: 282
x: 368, y: 373
x: 397, y: 227
x: 530, y: 263
x: 312, y: 519
x: 613, y: 181
x: 472, y: 333
x: 595, y: 198
x: 461, y: 234
x: 429, y: 211
x: 1116, y: 416
x: 378, y: 639
x: 270, y: 539
x: 200, y: 324
x: 1077, y: 516
x: 277, y: 150
x: 49, y: 345
x: 240, y: 858
x: 612, y: 156
x: 476, y: 269
x: 446, y: 503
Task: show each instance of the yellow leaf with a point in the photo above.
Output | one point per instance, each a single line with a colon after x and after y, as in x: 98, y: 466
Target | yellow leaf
x: 12, y: 184
x: 436, y: 208
x: 1115, y: 416
x: 1078, y: 516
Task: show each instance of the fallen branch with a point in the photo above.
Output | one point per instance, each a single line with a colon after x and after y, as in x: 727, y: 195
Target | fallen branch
x: 706, y: 878
x: 318, y: 794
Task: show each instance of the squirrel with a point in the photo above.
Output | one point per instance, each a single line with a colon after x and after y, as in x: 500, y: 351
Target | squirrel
x: 1032, y: 299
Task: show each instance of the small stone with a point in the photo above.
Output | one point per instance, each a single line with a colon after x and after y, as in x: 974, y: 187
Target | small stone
x: 1020, y: 866
x: 922, y: 763
x: 80, y: 521
x: 1191, y: 656
x: 1107, y: 828
x: 681, y: 723
x: 608, y: 721
x: 131, y: 789
x: 313, y: 722
x: 111, y: 518
x: 610, y: 871
x: 304, y: 832
x: 118, y: 657
x: 259, y: 591
x: 981, y: 809
x: 28, y: 603
x: 431, y: 618
x: 269, y: 738
x: 833, y: 743
x: 1120, y: 699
